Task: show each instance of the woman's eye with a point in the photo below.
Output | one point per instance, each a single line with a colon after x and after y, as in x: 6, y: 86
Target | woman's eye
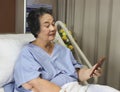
x: 53, y: 23
x: 47, y: 26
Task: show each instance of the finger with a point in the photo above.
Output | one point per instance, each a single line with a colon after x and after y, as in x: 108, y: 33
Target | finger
x: 99, y: 70
x: 97, y: 73
x: 95, y: 70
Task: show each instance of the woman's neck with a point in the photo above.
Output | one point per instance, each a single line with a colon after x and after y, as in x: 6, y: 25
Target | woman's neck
x: 47, y: 46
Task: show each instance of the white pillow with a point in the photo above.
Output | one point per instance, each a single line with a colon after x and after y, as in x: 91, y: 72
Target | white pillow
x: 10, y: 46
x: 1, y: 89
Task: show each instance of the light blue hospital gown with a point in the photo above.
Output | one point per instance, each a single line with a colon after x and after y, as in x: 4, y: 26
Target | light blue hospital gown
x: 34, y: 62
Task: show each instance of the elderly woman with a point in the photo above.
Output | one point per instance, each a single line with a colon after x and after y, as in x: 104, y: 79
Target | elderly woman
x: 44, y: 66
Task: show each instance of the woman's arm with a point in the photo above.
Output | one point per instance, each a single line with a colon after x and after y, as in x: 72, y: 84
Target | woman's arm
x: 84, y: 73
x: 42, y: 85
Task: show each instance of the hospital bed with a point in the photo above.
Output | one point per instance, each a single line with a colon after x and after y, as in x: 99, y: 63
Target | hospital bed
x: 11, y: 44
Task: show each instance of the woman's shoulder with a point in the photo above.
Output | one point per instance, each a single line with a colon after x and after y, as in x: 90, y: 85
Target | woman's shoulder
x: 25, y: 48
x: 28, y: 45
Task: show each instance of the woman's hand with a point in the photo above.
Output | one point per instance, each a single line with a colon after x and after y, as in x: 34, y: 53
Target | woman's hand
x: 84, y: 73
x: 96, y: 72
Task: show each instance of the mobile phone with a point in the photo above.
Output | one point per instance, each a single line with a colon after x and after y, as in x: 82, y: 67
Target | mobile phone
x: 99, y: 64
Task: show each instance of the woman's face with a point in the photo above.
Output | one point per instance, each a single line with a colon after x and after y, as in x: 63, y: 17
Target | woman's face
x: 48, y: 29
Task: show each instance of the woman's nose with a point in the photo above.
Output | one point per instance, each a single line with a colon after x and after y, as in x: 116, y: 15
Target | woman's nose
x: 52, y: 27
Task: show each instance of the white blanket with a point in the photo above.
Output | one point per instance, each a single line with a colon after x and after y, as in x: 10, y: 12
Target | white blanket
x: 76, y: 87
